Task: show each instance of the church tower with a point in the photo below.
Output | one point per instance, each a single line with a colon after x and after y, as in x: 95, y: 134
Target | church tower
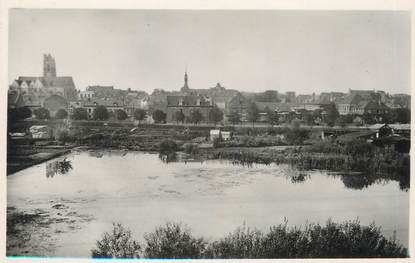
x: 185, y: 88
x: 49, y: 66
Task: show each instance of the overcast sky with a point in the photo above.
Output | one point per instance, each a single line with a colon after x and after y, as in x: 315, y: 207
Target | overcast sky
x: 301, y: 51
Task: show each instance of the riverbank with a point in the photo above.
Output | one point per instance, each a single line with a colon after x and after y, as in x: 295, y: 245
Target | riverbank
x: 22, y: 157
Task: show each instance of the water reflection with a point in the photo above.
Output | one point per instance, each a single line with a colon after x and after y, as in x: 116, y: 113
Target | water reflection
x: 58, y: 167
x: 360, y: 181
x: 168, y: 157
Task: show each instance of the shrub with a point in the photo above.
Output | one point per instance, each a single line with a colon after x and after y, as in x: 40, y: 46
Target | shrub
x: 62, y: 135
x: 121, y: 115
x: 79, y: 114
x: 167, y: 146
x: 191, y: 148
x: 117, y: 244
x: 100, y: 113
x: 61, y: 114
x: 216, y: 142
x: 173, y: 240
x: 42, y: 113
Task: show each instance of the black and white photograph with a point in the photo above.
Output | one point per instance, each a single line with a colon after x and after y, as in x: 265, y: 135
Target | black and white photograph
x: 207, y: 134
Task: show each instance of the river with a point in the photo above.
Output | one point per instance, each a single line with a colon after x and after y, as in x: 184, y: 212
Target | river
x: 90, y: 190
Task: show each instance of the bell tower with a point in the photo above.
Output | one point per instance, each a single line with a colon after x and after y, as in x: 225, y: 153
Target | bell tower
x: 49, y: 66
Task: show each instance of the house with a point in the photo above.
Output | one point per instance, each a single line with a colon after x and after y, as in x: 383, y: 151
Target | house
x: 40, y: 132
x: 186, y: 104
x: 112, y: 105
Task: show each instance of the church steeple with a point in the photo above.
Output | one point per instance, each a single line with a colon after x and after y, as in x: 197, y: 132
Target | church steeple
x: 185, y: 88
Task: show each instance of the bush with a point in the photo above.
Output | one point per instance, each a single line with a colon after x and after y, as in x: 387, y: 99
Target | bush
x: 42, y: 114
x: 79, y: 114
x: 167, y: 146
x: 61, y: 114
x: 173, y: 241
x: 191, y: 148
x: 121, y: 115
x: 100, y: 113
x: 117, y: 244
x: 62, y: 135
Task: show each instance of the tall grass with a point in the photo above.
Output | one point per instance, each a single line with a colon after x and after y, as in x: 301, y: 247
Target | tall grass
x: 333, y: 240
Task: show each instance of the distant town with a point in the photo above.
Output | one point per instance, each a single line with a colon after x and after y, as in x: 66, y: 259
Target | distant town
x: 57, y: 97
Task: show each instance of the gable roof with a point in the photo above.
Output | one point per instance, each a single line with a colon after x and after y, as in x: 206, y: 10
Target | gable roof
x: 189, y: 100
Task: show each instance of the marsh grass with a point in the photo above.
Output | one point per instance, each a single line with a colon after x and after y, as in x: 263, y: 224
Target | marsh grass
x: 349, y: 239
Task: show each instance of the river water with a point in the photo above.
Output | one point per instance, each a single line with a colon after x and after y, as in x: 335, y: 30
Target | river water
x: 89, y: 190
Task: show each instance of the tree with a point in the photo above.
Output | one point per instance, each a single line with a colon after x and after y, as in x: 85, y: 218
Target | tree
x: 403, y: 115
x: 61, y: 114
x: 332, y: 114
x: 42, y: 113
x: 100, y: 113
x: 196, y: 116
x: 121, y: 115
x: 272, y: 116
x: 140, y: 114
x: 79, y: 114
x: 215, y: 115
x: 234, y: 117
x: 19, y: 113
x: 253, y: 113
x: 159, y: 116
x: 179, y: 116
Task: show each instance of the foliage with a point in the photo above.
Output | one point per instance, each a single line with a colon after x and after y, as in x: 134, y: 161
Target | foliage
x: 191, y: 148
x: 215, y: 115
x: 253, y: 112
x: 216, y: 142
x: 167, y: 146
x: 159, y: 116
x: 100, y: 113
x: 297, y: 136
x: 62, y: 135
x: 179, y: 116
x: 348, y: 239
x: 234, y: 117
x: 61, y: 114
x: 140, y: 114
x: 195, y: 116
x: 79, y: 114
x: 332, y: 114
x: 19, y: 113
x: 121, y: 115
x: 42, y: 113
x: 272, y: 116
x: 173, y: 240
x: 118, y: 243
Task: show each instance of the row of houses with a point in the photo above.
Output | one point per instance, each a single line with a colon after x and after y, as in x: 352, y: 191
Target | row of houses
x: 59, y: 92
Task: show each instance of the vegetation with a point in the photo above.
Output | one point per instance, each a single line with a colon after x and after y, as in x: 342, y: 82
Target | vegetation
x: 191, y: 148
x: 100, y: 113
x: 121, y: 115
x: 349, y: 239
x: 268, y: 96
x: 234, y: 118
x: 42, y: 114
x: 159, y: 116
x: 195, y: 116
x: 179, y: 116
x: 215, y: 115
x: 167, y: 146
x: 253, y: 113
x: 173, y: 241
x: 140, y: 114
x: 79, y: 114
x: 19, y: 113
x: 117, y: 244
x: 61, y: 114
x: 332, y: 114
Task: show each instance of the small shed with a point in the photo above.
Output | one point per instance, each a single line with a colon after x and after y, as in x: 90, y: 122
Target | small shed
x: 214, y: 134
x: 226, y: 135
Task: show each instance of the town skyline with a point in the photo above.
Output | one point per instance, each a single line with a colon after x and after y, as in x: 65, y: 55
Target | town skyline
x: 367, y: 66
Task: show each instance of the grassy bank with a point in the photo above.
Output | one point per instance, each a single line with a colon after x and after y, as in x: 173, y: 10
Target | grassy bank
x: 333, y: 240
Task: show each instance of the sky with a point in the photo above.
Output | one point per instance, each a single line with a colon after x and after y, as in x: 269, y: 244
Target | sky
x: 253, y: 51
